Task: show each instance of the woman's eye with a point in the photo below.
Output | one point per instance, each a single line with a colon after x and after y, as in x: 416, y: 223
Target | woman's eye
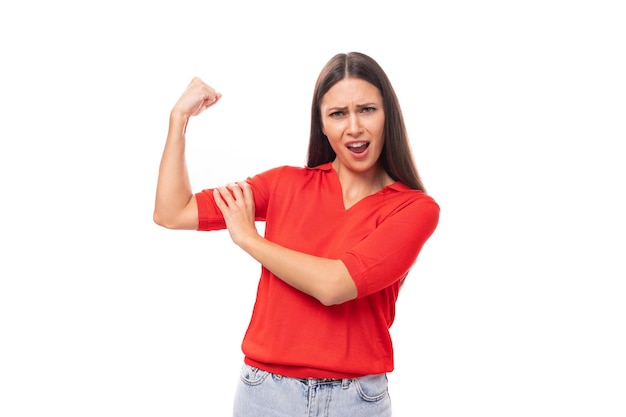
x: 336, y: 114
x: 368, y: 109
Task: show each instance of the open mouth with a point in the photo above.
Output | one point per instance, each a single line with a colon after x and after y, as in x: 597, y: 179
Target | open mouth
x: 358, y: 147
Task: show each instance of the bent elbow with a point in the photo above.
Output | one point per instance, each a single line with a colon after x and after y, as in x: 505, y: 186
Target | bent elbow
x: 334, y: 299
x: 331, y: 301
x: 176, y: 217
x: 175, y: 221
x: 159, y: 220
x: 343, y: 290
x: 326, y: 301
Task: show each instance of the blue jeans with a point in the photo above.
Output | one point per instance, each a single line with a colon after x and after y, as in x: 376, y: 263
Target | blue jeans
x: 263, y: 394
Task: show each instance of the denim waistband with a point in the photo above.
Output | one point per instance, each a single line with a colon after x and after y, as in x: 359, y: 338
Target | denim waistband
x: 345, y: 382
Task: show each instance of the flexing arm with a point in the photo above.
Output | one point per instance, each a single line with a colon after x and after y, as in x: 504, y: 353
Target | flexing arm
x: 327, y: 280
x: 175, y: 206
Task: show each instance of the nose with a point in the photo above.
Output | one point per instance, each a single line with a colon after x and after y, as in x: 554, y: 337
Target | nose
x: 354, y: 126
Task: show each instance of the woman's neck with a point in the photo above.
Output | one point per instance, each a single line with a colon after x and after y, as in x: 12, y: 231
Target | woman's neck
x: 358, y: 185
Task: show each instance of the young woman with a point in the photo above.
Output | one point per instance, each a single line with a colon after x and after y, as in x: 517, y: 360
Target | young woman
x: 341, y: 235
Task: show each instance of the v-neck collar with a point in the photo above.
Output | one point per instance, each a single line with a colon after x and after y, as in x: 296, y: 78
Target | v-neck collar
x: 328, y: 167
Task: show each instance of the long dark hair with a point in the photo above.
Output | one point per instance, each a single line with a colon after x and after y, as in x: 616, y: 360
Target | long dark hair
x: 396, y: 157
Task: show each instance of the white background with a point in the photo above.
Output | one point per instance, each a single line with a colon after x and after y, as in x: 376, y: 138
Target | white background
x: 516, y: 112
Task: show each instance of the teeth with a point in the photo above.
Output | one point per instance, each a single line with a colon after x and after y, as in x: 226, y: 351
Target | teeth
x: 357, y: 145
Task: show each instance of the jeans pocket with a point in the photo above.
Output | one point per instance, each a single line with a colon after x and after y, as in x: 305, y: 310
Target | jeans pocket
x: 372, y: 388
x: 252, y: 376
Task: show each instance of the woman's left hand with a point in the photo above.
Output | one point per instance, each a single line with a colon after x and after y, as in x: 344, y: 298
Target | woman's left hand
x: 236, y: 201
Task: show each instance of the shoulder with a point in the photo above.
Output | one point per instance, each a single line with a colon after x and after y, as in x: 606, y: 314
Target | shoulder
x: 306, y: 171
x: 290, y: 172
x: 402, y: 191
x: 410, y: 200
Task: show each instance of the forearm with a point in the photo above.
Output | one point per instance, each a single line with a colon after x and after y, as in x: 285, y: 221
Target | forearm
x: 173, y: 208
x: 327, y: 280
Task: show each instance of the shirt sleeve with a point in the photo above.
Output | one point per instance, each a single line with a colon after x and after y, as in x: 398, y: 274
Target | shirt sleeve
x: 210, y: 216
x: 387, y: 254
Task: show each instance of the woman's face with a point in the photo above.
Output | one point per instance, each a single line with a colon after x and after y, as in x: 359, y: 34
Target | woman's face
x: 353, y: 120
